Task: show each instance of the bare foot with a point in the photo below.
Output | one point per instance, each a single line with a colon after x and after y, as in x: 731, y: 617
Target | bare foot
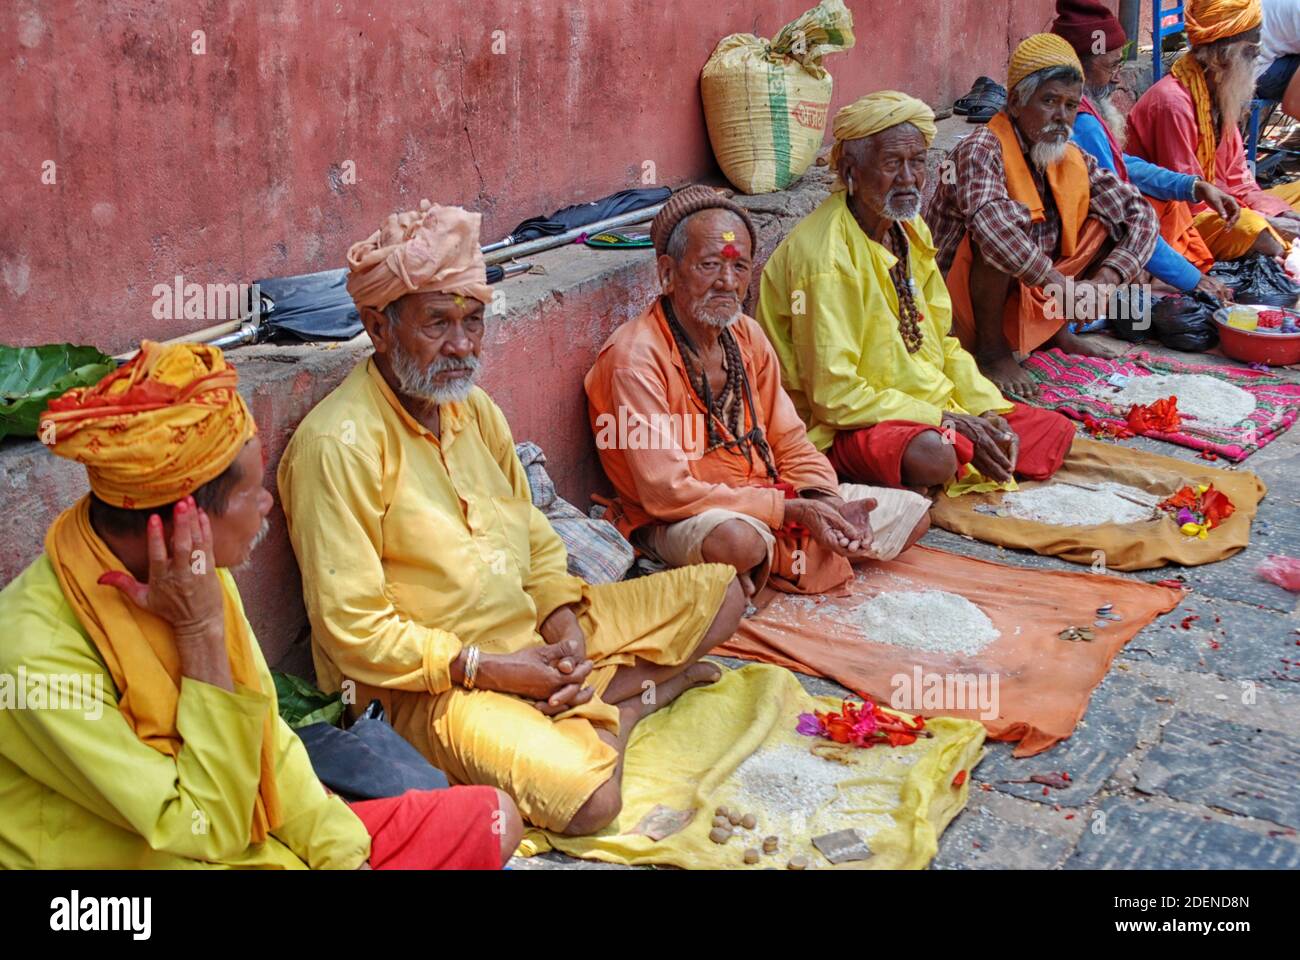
x: 657, y: 695
x: 1087, y: 346
x: 1008, y: 375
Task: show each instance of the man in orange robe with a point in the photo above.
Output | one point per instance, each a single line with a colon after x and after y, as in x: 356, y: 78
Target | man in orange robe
x: 709, y: 458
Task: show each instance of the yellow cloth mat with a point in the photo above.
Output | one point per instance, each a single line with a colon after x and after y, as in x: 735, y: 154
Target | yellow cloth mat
x: 685, y: 757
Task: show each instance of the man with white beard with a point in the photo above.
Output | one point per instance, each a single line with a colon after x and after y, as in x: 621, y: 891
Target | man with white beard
x: 860, y: 318
x: 1031, y: 231
x: 747, y: 488
x: 432, y: 582
x: 1181, y: 257
x: 1188, y: 122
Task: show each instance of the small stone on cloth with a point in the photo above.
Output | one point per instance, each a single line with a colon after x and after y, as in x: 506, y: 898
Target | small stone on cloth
x: 663, y: 821
x: 842, y: 846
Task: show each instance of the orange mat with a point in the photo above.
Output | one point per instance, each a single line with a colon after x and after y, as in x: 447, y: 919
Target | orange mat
x: 1041, y: 683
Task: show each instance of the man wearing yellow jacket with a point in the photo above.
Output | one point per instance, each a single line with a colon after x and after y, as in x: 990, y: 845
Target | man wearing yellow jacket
x: 860, y: 317
x: 138, y: 720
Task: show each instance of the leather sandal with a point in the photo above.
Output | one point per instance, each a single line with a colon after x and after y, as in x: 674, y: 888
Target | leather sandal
x: 961, y: 105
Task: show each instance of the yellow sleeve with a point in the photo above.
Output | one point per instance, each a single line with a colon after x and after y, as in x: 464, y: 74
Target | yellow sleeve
x: 973, y: 392
x: 333, y: 502
x: 197, y: 805
x: 828, y: 347
x: 317, y: 827
x: 548, y: 581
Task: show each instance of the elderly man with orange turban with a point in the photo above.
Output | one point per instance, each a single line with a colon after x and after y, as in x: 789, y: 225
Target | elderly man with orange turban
x: 145, y: 732
x: 435, y: 585
x: 1188, y: 122
x: 858, y: 313
x: 1031, y: 231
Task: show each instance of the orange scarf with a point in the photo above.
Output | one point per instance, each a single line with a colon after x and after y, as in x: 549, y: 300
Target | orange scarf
x: 140, y: 652
x: 1068, y: 178
x: 1189, y: 73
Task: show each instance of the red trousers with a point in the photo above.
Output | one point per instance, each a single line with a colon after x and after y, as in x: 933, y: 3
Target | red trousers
x: 874, y: 454
x: 448, y: 829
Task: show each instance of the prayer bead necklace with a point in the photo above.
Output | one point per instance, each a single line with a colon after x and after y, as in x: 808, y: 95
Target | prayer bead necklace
x: 909, y: 317
x: 725, y: 409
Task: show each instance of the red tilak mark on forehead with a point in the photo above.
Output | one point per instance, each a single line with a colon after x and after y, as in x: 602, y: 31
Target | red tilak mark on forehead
x: 730, y: 252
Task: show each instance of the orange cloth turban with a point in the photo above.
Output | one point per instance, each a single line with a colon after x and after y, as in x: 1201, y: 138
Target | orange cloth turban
x: 1039, y: 52
x: 1210, y: 20
x: 156, y: 429
x: 432, y: 250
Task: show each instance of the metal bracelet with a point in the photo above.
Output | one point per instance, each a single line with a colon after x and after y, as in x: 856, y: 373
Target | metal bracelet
x: 471, y: 667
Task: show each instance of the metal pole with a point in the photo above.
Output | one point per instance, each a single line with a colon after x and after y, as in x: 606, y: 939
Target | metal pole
x: 247, y: 333
x: 1130, y: 17
x: 559, y: 240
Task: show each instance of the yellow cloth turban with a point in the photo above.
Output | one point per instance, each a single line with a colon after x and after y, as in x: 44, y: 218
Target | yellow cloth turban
x: 1039, y: 52
x: 156, y: 429
x: 876, y: 112
x: 1210, y: 20
x: 430, y: 250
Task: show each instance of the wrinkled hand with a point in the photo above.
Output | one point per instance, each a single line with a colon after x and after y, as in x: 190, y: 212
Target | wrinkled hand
x: 1007, y: 440
x: 183, y: 588
x: 827, y: 525
x: 1090, y: 300
x: 992, y: 448
x: 1215, y: 288
x: 858, y: 513
x: 1222, y: 203
x: 549, y: 676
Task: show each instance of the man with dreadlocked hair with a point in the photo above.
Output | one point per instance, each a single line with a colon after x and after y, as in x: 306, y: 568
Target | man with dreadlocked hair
x: 723, y: 470
x: 856, y: 307
x: 1188, y: 123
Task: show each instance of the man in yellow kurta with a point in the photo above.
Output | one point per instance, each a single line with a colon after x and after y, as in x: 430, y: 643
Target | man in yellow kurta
x: 432, y: 582
x: 138, y: 722
x: 859, y: 314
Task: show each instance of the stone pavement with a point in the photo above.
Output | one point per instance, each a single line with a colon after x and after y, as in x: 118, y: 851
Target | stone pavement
x: 1188, y: 755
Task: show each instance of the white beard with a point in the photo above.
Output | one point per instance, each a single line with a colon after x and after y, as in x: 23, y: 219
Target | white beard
x: 262, y: 531
x: 903, y: 207
x: 421, y: 384
x: 721, y: 318
x: 1233, y: 90
x: 1113, y: 119
x: 1045, y: 153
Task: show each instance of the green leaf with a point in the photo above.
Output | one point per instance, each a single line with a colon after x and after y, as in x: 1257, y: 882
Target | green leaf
x: 301, y: 703
x: 30, y: 377
x: 331, y: 713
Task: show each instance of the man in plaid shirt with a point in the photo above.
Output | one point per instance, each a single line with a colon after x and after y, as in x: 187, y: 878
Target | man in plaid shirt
x: 1030, y: 231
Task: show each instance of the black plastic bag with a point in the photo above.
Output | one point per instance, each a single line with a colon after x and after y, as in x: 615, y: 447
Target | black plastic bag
x: 1185, y: 322
x: 1130, y: 313
x: 1259, y: 280
x: 369, y: 760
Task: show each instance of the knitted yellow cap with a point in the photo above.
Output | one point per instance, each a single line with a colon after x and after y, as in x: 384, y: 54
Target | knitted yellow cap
x: 1039, y: 52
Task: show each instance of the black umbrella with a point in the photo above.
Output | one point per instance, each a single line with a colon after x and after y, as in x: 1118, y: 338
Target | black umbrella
x: 314, y: 306
x: 582, y: 214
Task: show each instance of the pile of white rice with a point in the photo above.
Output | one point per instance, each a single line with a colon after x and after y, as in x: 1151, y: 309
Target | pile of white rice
x: 932, y: 620
x: 794, y: 792
x: 1209, y: 400
x: 1060, y: 505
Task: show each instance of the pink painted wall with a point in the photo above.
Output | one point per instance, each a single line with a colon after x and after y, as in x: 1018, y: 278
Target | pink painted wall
x: 227, y: 166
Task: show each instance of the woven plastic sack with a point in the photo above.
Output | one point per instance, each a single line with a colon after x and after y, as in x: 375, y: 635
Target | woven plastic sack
x: 765, y: 102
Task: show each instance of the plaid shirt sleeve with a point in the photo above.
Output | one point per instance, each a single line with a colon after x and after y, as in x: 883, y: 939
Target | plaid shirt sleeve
x: 1128, y: 218
x: 997, y: 223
